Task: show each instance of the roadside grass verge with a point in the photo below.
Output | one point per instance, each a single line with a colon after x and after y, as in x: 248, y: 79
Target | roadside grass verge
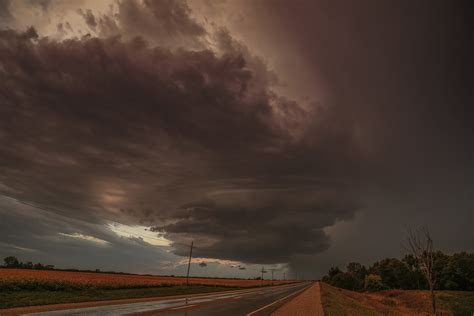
x: 394, y: 302
x: 336, y: 303
x: 459, y: 303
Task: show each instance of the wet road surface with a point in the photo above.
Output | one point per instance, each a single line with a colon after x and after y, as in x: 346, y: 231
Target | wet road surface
x: 252, y: 302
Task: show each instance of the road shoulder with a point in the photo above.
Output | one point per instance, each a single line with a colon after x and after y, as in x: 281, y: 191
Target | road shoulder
x: 308, y: 303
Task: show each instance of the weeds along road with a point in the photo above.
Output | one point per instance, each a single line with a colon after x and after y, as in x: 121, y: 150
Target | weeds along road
x: 251, y: 302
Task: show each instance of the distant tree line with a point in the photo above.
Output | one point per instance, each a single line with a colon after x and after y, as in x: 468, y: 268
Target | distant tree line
x: 452, y: 272
x: 13, y: 262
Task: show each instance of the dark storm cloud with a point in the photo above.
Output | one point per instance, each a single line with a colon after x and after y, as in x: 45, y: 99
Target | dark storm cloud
x: 102, y: 129
x: 6, y: 16
x: 402, y: 70
x: 88, y: 17
x: 41, y: 236
x: 43, y: 4
x: 265, y: 225
x: 196, y: 142
x: 7, y: 10
x: 160, y: 22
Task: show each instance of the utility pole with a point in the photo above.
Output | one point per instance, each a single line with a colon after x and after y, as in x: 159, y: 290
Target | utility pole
x: 189, y: 263
x: 263, y: 271
x: 273, y: 270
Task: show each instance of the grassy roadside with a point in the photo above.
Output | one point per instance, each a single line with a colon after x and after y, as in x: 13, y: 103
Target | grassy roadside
x: 22, y: 298
x: 459, y: 303
x: 337, y: 302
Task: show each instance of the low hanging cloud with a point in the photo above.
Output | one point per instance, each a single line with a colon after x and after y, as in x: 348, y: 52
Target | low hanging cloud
x: 195, y: 143
x: 37, y: 235
x: 266, y: 225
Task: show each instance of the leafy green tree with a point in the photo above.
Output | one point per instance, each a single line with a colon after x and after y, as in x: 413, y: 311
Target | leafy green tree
x: 346, y: 281
x: 11, y: 262
x: 394, y: 273
x: 373, y: 282
x: 358, y: 271
x: 28, y: 265
x: 451, y: 272
x: 417, y: 280
x: 333, y: 272
x: 456, y: 272
x: 39, y: 266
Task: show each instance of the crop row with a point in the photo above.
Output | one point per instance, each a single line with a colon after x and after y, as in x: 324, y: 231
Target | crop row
x: 18, y: 279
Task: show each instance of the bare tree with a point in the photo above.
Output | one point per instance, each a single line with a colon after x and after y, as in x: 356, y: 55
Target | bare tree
x: 420, y: 244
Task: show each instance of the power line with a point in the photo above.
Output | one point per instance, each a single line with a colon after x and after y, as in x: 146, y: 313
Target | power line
x: 189, y: 263
x: 263, y: 271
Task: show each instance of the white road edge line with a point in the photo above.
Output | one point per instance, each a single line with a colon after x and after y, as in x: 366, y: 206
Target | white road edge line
x: 277, y: 301
x: 184, y: 306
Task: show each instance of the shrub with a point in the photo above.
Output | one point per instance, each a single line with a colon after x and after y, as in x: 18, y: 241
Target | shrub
x: 373, y: 282
x: 346, y: 281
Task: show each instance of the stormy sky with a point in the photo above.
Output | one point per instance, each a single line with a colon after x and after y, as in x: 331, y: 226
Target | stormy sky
x: 299, y: 135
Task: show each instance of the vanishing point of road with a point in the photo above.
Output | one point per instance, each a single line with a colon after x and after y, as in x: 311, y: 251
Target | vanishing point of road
x: 249, y: 302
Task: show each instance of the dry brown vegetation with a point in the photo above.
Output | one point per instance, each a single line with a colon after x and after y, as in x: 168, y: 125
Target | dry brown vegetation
x: 338, y: 301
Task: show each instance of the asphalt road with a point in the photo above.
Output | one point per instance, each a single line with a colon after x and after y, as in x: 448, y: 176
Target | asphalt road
x: 252, y: 302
